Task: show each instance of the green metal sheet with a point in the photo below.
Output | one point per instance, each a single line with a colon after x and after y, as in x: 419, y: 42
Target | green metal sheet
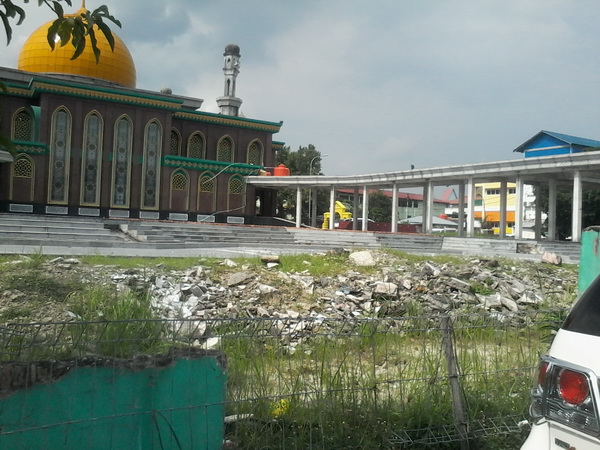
x: 589, y: 261
x: 180, y: 406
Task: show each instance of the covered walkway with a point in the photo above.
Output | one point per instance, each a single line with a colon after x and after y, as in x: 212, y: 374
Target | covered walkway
x: 575, y: 172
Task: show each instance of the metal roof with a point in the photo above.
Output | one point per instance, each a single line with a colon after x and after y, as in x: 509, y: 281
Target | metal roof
x: 560, y: 168
x: 566, y: 138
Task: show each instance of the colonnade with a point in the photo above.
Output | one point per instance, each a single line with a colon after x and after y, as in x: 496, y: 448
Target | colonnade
x: 569, y: 171
x: 466, y: 208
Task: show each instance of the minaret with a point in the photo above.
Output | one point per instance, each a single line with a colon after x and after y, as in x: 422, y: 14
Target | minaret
x: 229, y: 103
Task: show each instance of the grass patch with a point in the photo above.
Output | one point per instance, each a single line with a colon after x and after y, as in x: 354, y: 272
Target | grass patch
x: 116, y: 324
x: 318, y: 265
x: 359, y: 386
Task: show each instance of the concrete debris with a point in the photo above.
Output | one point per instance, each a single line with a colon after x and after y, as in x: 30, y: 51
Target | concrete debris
x: 392, y: 286
x: 552, y: 258
x: 270, y: 259
x: 364, y: 258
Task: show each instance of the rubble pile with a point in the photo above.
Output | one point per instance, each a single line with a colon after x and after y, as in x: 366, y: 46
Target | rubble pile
x: 393, y: 286
x: 393, y: 289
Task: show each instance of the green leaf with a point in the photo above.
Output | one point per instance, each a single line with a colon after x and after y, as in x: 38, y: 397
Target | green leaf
x: 79, y: 44
x: 64, y: 31
x: 92, y: 36
x: 108, y: 34
x: 103, y: 13
x: 7, y: 27
x: 58, y: 9
x: 52, y: 32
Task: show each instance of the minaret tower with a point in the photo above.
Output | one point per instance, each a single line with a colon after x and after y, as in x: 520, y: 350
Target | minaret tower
x: 229, y: 103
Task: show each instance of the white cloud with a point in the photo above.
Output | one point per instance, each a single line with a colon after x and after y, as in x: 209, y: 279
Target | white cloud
x: 378, y: 85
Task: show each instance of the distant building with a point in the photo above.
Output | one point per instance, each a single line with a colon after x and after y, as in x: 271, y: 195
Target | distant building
x: 409, y: 204
x: 547, y: 143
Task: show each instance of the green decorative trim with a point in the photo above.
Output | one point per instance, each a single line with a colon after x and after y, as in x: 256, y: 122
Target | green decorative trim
x: 204, y: 164
x: 18, y: 90
x: 34, y: 148
x: 39, y: 85
x: 105, y: 94
x: 276, y: 145
x: 239, y: 122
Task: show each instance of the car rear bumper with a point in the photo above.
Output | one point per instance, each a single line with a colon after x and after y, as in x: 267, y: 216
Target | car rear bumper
x: 552, y: 436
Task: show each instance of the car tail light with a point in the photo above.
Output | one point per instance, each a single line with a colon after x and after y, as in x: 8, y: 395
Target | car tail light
x: 573, y: 387
x: 567, y: 394
x: 542, y: 373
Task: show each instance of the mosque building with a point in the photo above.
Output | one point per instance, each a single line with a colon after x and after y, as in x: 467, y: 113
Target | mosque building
x: 87, y: 142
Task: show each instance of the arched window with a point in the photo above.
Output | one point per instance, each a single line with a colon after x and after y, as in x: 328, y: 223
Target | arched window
x: 22, y: 129
x: 121, y: 163
x: 206, y: 182
x: 179, y: 181
x: 151, y: 166
x: 23, y: 167
x: 255, y: 153
x: 60, y: 156
x: 225, y: 150
x: 175, y: 149
x: 91, y: 159
x: 22, y: 179
x: 196, y: 146
x: 236, y: 185
x: 207, y: 192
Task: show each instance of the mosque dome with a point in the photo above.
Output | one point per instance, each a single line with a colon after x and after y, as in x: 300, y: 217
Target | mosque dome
x: 115, y: 66
x: 232, y: 49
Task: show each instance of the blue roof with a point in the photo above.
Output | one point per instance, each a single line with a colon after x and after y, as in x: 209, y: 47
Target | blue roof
x: 567, y: 139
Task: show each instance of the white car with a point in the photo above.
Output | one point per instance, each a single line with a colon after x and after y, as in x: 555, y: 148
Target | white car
x: 566, y: 399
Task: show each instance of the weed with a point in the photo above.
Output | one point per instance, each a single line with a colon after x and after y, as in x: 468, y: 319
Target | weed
x: 117, y: 324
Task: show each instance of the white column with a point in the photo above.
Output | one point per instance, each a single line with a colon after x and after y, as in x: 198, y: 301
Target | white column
x: 503, y: 197
x: 461, y: 209
x: 428, y: 200
x: 332, y: 208
x: 313, y: 207
x: 552, y: 192
x: 355, y: 203
x: 470, y: 207
x: 298, y: 207
x: 394, y: 224
x: 577, y: 204
x: 518, y: 229
x: 365, y: 214
x: 538, y: 216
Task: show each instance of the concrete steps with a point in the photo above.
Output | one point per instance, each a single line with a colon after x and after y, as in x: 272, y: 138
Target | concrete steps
x: 85, y: 235
x: 334, y: 238
x: 570, y: 252
x: 412, y: 243
x: 480, y: 246
x: 203, y: 234
x: 55, y: 230
x: 525, y: 249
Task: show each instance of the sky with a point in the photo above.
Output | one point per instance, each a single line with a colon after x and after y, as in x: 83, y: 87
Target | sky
x: 376, y: 85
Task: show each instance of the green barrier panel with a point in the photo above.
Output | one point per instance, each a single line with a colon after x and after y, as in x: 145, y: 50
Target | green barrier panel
x: 589, y: 261
x: 180, y: 406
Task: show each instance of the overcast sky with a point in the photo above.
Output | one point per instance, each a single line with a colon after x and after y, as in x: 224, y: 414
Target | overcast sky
x: 377, y: 85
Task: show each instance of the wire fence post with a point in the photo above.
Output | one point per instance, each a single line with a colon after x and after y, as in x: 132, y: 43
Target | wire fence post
x: 459, y: 407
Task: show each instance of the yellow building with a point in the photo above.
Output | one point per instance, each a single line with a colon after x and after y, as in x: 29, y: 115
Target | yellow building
x: 487, y: 207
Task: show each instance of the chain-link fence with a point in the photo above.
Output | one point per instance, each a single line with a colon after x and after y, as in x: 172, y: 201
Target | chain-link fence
x: 292, y: 382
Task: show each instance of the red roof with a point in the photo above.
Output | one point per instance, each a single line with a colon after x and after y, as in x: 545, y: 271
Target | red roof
x: 401, y: 195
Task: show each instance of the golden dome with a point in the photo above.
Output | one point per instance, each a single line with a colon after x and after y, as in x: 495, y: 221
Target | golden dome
x: 117, y: 67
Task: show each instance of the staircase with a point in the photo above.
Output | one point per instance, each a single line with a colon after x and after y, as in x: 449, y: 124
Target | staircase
x: 66, y: 235
x: 411, y: 243
x: 42, y: 231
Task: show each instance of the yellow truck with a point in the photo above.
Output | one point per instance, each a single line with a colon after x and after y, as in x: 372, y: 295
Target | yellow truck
x: 340, y: 213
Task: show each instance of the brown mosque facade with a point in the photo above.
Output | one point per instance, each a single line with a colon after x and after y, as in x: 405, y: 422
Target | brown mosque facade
x: 87, y: 142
